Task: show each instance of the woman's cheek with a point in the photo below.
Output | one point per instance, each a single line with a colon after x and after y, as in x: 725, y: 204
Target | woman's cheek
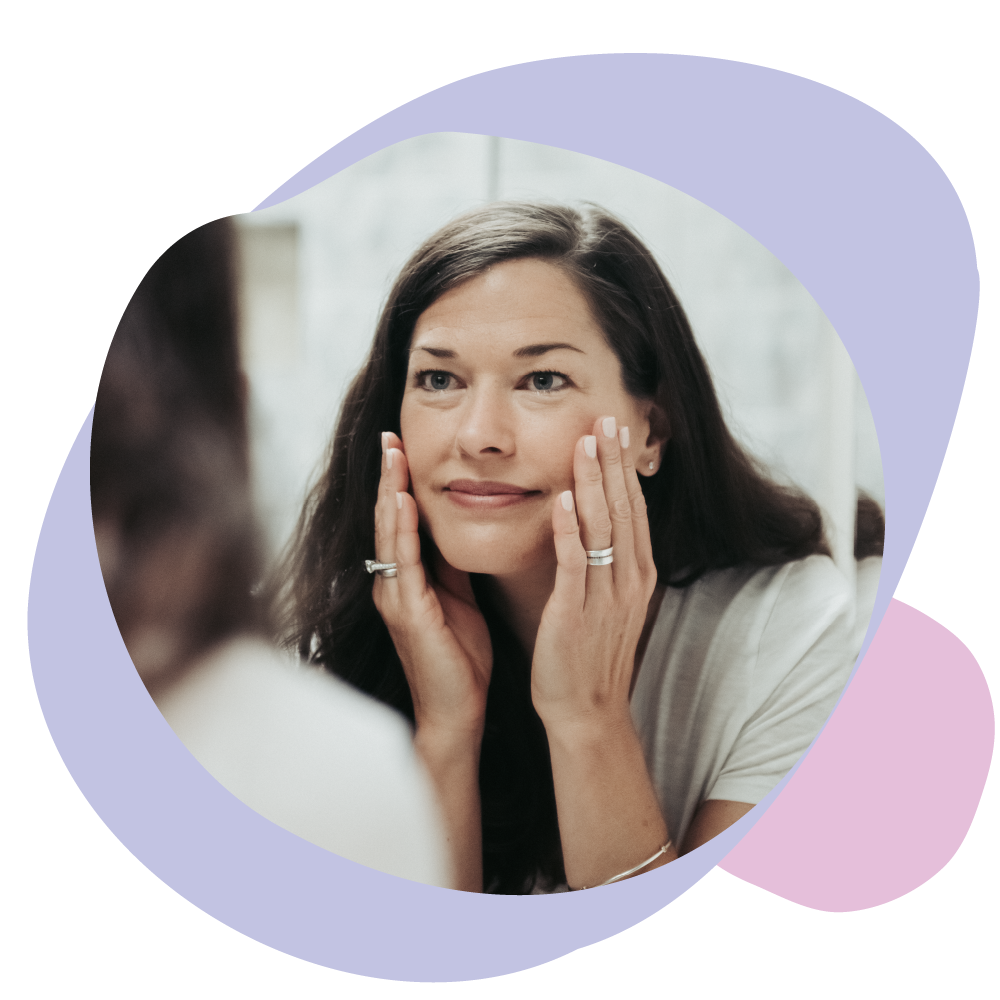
x: 421, y: 493
x: 560, y: 451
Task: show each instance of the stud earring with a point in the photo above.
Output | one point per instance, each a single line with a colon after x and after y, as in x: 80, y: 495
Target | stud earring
x: 651, y: 466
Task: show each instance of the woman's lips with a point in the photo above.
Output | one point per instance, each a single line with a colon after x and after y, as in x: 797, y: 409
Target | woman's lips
x: 479, y: 494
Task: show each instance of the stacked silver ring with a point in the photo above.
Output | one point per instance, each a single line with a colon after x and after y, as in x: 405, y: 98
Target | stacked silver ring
x: 600, y: 557
x: 384, y: 570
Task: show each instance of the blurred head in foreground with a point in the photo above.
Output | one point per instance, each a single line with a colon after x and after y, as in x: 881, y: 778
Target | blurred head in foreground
x: 169, y: 462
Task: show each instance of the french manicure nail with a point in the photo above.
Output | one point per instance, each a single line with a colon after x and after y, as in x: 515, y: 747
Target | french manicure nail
x: 388, y: 459
x: 623, y: 437
x: 567, y: 500
x: 590, y: 446
x: 608, y: 423
x: 399, y: 501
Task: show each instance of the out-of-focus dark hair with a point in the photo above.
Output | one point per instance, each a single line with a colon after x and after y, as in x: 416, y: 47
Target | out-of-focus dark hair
x: 869, y: 528
x: 169, y: 456
x: 709, y: 505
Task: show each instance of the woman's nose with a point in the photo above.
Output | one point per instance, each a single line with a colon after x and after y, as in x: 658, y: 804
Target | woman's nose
x: 487, y: 424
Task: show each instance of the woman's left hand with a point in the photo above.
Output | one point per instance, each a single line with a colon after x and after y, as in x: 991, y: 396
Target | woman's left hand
x: 590, y: 628
x: 581, y: 671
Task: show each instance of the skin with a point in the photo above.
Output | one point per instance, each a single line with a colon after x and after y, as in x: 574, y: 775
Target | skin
x: 511, y: 381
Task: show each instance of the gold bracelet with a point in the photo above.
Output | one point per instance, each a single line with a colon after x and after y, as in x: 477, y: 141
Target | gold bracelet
x: 663, y: 850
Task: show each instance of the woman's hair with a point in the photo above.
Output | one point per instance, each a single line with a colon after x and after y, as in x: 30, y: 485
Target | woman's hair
x: 869, y: 528
x: 709, y: 505
x: 169, y: 458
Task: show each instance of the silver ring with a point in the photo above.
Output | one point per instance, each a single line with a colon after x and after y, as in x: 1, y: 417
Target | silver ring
x: 384, y: 570
x: 600, y: 557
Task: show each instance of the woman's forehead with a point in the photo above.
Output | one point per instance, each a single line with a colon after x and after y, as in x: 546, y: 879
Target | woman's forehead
x: 515, y: 307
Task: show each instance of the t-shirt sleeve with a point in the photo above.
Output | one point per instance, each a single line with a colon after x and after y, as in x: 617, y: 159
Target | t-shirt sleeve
x: 803, y: 662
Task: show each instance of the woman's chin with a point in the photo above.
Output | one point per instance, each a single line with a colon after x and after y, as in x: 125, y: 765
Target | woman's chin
x: 496, y: 560
x: 491, y: 567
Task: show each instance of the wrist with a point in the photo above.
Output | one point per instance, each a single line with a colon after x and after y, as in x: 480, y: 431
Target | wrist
x: 449, y: 744
x: 589, y: 730
x: 457, y: 721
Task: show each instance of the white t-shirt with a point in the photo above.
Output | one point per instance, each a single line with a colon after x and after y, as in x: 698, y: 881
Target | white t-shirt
x: 312, y: 755
x: 741, y: 671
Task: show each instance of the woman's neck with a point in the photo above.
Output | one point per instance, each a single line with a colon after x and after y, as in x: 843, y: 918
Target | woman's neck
x: 521, y: 599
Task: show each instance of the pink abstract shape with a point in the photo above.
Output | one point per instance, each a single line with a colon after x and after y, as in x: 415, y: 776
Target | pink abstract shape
x: 887, y: 793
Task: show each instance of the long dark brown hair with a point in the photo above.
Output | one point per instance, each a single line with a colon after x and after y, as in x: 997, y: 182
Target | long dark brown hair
x: 169, y: 456
x: 709, y: 505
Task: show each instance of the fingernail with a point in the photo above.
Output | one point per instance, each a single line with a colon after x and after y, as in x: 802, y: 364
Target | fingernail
x: 623, y: 437
x: 590, y: 446
x: 608, y: 423
x: 399, y: 501
x: 567, y: 500
x: 385, y: 441
x: 388, y: 459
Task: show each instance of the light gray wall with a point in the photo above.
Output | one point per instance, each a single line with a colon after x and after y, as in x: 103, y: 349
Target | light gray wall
x: 318, y: 267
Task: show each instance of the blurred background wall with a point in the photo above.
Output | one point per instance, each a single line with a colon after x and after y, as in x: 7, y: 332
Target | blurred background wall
x: 316, y: 270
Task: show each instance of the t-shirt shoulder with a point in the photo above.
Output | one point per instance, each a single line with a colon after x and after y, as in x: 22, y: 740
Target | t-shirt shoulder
x: 802, y: 662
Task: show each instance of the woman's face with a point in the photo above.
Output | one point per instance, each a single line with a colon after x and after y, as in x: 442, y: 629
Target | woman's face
x: 506, y: 373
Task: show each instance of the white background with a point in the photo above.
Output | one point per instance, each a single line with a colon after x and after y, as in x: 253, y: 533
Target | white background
x: 126, y: 126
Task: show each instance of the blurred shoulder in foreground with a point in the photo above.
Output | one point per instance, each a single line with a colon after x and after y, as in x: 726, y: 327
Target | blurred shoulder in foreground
x: 177, y: 543
x: 311, y: 754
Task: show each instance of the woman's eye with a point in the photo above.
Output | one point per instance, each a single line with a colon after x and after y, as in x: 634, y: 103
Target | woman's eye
x: 546, y: 381
x: 435, y: 381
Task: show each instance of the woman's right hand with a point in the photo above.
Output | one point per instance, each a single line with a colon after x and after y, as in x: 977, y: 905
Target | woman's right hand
x: 438, y: 631
x: 444, y: 646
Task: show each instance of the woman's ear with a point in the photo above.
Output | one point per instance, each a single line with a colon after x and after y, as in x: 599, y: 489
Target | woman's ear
x: 648, y: 461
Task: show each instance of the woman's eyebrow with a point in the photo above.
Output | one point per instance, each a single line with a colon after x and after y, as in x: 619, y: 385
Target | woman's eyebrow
x: 437, y: 352
x: 536, y: 350
x: 531, y: 351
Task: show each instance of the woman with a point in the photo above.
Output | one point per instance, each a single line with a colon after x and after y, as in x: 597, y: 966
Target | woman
x: 176, y: 541
x: 565, y: 524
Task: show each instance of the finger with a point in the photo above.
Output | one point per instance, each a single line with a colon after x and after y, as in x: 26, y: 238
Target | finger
x: 571, y: 559
x: 394, y: 479
x: 592, y: 513
x: 410, y: 576
x: 641, y: 541
x: 591, y: 503
x: 609, y: 452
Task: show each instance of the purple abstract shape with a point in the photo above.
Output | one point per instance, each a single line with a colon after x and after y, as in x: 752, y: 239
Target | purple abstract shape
x: 858, y: 211
x: 888, y: 790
